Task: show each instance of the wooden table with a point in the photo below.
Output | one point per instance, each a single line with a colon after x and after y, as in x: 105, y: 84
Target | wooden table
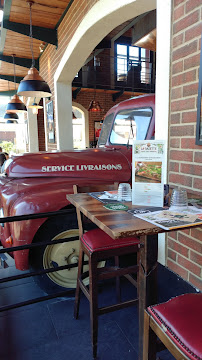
x: 122, y: 224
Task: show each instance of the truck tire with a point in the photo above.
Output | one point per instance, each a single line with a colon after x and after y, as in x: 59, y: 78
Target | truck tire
x: 44, y: 257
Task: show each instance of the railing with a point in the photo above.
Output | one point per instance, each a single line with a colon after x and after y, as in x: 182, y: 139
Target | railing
x: 137, y: 76
x: 31, y: 246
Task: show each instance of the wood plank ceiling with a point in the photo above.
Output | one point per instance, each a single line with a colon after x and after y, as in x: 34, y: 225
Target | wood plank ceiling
x: 46, y: 16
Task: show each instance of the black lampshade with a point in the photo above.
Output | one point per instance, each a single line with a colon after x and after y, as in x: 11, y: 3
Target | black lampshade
x: 33, y: 85
x: 16, y: 105
x: 11, y: 118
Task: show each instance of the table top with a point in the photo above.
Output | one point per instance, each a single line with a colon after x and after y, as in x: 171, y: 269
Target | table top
x: 115, y: 223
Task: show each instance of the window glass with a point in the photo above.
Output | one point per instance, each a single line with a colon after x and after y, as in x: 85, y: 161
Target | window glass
x: 131, y: 125
x: 106, y: 127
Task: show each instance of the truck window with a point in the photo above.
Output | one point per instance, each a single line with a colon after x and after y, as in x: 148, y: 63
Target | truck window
x: 130, y: 124
x: 106, y: 127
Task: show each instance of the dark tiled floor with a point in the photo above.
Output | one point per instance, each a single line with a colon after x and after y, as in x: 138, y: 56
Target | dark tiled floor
x: 48, y: 331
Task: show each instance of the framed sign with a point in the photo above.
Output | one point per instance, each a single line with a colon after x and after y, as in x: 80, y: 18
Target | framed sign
x: 50, y: 122
x: 98, y: 127
x: 199, y: 105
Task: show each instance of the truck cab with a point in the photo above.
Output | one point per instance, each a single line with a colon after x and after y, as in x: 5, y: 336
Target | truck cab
x: 38, y: 182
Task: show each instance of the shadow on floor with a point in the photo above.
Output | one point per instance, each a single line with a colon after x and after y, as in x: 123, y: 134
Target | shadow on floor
x: 48, y: 331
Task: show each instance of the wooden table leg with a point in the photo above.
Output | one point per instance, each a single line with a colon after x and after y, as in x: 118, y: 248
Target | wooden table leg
x: 147, y: 283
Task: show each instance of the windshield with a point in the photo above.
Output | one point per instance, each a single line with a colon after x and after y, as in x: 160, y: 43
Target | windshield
x: 129, y: 125
x: 106, y: 127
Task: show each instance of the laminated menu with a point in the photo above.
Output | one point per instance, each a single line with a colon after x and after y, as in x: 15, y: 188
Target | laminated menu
x: 171, y: 220
x: 148, y: 172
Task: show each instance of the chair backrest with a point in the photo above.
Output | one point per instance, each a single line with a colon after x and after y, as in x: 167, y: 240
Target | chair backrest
x: 87, y: 189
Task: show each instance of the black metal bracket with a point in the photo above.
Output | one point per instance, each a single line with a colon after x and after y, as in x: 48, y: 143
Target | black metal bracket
x: 117, y: 95
x: 76, y: 92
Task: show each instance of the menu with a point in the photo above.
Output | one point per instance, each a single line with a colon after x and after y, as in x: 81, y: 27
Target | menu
x: 148, y: 170
x: 170, y: 220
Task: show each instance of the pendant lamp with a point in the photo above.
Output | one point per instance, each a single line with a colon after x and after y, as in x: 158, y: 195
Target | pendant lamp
x: 33, y: 84
x: 35, y: 107
x: 15, y: 105
x: 94, y: 106
x: 11, y: 118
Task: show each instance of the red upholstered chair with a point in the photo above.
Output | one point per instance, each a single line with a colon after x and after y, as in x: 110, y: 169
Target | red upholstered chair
x: 98, y: 246
x: 178, y: 324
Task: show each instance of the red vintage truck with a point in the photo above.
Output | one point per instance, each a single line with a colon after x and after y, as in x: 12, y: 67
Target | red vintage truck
x: 38, y: 182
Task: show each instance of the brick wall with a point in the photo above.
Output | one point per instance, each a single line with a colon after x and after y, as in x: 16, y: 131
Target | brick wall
x: 184, y: 248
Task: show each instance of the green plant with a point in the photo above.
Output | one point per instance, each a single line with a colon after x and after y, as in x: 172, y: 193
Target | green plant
x: 8, y: 146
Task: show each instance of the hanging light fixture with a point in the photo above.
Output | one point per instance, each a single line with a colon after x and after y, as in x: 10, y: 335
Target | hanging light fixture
x: 15, y: 105
x: 94, y: 106
x: 35, y: 107
x: 33, y: 84
x: 11, y: 118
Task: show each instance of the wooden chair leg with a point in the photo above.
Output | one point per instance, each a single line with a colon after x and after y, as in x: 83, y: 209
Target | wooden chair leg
x: 93, y: 289
x: 118, y: 287
x: 78, y: 290
x: 149, y: 341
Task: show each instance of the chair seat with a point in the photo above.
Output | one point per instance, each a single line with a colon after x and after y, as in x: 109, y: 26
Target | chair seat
x: 97, y: 240
x: 181, y: 319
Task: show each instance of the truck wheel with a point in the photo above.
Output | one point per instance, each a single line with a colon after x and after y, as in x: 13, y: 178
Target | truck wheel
x: 45, y: 257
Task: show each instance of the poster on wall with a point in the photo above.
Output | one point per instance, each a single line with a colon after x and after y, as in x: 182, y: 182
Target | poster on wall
x: 148, y: 167
x: 50, y: 122
x: 98, y: 127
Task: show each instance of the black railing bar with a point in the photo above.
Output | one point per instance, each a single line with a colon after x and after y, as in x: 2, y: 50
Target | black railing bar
x: 35, y: 216
x: 35, y: 273
x: 42, y: 243
x: 36, y: 300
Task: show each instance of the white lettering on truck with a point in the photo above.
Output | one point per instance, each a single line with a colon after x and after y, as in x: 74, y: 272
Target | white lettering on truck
x: 89, y: 167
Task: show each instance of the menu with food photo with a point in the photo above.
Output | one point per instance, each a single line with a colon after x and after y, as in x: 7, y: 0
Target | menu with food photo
x: 148, y: 167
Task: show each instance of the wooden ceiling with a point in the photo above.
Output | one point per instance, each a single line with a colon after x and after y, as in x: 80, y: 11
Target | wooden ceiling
x: 46, y: 16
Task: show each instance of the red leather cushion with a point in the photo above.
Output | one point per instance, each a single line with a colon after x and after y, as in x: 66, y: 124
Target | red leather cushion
x: 182, y: 317
x: 97, y: 239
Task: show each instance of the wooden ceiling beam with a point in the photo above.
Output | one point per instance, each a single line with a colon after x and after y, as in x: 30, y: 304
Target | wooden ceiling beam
x: 144, y: 27
x: 19, y: 61
x: 40, y: 33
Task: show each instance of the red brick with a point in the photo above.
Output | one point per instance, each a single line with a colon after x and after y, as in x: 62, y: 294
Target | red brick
x: 175, y: 118
x: 178, y: 12
x: 195, y: 257
x: 192, y: 61
x: 197, y: 234
x: 174, y: 166
x: 181, y: 155
x: 198, y: 157
x: 182, y: 130
x: 185, y: 104
x: 192, y: 4
x: 176, y: 93
x: 180, y: 180
x: 198, y: 183
x: 190, y: 266
x: 177, y: 2
x: 189, y: 143
x: 175, y: 246
x: 186, y: 50
x: 189, y: 242
x: 173, y: 235
x: 193, y: 32
x: 184, y: 78
x: 178, y: 40
x: 189, y: 116
x: 177, y: 269
x: 177, y: 67
x: 191, y: 169
x: 190, y: 89
x: 186, y: 22
x: 197, y: 282
x: 175, y: 143
x: 172, y: 255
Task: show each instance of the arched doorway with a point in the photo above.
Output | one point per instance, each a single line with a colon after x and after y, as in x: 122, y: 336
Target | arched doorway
x: 80, y: 127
